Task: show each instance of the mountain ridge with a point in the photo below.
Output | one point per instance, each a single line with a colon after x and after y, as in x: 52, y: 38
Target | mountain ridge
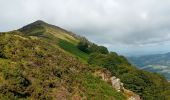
x: 42, y: 23
x: 41, y: 61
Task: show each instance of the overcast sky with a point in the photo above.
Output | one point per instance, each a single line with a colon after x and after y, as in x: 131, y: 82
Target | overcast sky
x: 129, y: 27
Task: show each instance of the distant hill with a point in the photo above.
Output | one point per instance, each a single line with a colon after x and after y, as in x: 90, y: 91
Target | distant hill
x: 159, y: 63
x: 41, y: 61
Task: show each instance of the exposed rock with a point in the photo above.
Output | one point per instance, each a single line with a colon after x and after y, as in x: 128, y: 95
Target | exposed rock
x: 116, y: 84
x: 131, y: 95
x: 104, y: 74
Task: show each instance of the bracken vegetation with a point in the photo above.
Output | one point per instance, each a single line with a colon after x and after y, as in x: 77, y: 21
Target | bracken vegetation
x: 150, y: 86
x: 36, y: 68
x: 44, y: 62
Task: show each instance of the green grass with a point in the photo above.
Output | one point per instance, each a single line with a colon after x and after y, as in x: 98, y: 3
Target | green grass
x: 36, y: 69
x: 97, y: 89
x: 34, y: 31
x: 71, y: 48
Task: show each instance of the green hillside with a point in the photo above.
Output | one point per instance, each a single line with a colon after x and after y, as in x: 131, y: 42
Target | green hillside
x: 55, y: 36
x: 44, y: 62
x: 39, y: 66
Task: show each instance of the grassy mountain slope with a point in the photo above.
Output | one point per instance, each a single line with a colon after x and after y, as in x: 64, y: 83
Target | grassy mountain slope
x: 150, y: 86
x: 36, y: 64
x: 43, y: 61
x: 56, y: 36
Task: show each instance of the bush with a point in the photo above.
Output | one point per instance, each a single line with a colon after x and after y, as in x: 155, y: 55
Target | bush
x: 83, y: 46
x: 88, y: 47
x: 148, y: 85
x: 99, y: 49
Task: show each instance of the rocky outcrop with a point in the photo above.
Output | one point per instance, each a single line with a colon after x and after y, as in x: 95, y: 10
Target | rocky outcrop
x: 131, y: 95
x: 105, y: 75
x: 116, y: 84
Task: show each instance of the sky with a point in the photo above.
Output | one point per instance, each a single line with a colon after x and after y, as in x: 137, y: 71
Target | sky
x: 128, y: 27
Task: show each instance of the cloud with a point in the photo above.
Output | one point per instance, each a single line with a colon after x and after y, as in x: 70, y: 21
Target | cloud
x: 132, y: 23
